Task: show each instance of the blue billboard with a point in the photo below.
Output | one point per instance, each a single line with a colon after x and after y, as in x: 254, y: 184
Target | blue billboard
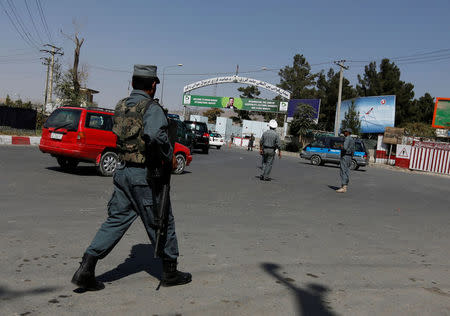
x: 294, y: 103
x: 375, y: 113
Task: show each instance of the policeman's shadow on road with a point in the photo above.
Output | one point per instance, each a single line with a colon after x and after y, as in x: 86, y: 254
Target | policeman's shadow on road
x: 140, y: 259
x: 309, y: 301
x: 9, y: 294
x: 334, y: 188
x: 79, y: 171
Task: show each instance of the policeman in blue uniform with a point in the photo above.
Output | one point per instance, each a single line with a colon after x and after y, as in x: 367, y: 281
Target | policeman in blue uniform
x: 269, y: 143
x: 132, y: 196
x: 346, y: 160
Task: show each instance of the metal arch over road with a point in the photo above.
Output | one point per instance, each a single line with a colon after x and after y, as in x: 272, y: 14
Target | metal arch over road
x: 236, y: 79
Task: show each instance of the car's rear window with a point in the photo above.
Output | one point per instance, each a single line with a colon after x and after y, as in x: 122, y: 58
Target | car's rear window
x: 64, y: 118
x: 359, y: 147
x: 197, y: 127
x: 99, y: 121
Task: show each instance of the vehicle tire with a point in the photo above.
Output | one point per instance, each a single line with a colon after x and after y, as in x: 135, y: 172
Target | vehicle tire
x: 316, y: 160
x: 205, y: 150
x: 108, y: 163
x: 218, y: 147
x: 67, y: 164
x: 181, y: 163
x: 354, y: 165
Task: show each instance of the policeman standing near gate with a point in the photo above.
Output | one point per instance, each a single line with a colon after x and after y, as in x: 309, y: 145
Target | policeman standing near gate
x: 346, y: 159
x: 141, y: 127
x: 270, y: 141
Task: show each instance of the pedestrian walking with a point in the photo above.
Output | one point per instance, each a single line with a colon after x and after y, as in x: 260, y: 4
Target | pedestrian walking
x: 346, y: 159
x: 251, y: 142
x: 141, y: 126
x: 269, y: 143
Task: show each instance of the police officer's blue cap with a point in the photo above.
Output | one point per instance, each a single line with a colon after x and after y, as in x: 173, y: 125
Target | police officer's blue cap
x: 146, y: 71
x: 349, y: 130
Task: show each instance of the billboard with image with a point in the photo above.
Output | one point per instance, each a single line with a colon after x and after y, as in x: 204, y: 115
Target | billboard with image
x: 235, y: 103
x: 375, y: 113
x: 441, y: 116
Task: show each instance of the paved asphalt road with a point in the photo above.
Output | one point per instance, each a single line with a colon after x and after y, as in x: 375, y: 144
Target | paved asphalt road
x: 287, y: 247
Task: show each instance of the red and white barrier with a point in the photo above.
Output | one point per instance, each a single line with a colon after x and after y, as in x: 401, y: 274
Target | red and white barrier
x: 429, y: 156
x: 403, y: 156
x: 19, y: 140
x: 383, y: 152
x: 239, y: 141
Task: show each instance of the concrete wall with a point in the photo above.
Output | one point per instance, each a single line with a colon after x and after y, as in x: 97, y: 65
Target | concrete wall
x: 254, y: 127
x: 223, y: 126
x: 199, y: 118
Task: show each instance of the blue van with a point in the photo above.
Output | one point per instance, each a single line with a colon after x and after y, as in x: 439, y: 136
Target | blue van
x: 328, y: 150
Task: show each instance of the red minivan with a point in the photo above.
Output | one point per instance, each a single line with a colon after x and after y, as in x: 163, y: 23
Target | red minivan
x: 75, y: 134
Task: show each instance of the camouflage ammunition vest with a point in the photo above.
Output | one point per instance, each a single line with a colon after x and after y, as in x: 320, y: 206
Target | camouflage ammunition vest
x: 129, y: 129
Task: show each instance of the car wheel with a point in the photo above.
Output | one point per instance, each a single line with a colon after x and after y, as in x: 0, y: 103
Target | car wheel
x: 67, y: 164
x: 181, y: 163
x: 108, y: 163
x: 218, y: 147
x: 205, y: 150
x: 316, y: 160
x: 354, y: 165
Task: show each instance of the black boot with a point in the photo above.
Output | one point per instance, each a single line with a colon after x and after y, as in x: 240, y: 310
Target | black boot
x: 84, y: 277
x: 171, y: 276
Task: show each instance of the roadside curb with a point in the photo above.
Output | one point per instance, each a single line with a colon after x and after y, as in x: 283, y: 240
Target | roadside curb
x: 20, y: 140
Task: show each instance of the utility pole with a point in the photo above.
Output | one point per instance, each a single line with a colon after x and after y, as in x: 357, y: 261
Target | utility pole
x: 55, y: 51
x: 46, y: 62
x: 340, y: 63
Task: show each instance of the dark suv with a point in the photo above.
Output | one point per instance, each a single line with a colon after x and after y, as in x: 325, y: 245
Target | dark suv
x: 201, y: 135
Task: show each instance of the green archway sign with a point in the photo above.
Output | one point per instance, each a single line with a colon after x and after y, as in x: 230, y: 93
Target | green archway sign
x: 236, y: 103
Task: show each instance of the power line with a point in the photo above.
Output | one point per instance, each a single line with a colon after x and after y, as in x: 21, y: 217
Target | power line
x: 32, y: 22
x: 414, y: 58
x: 203, y: 74
x: 15, y: 26
x: 422, y: 54
x: 21, y: 24
x: 43, y: 19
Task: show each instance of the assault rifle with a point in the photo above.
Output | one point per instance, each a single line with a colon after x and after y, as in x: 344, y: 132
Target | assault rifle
x: 159, y: 173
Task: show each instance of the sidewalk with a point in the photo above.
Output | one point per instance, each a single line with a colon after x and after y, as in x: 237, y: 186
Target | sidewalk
x: 19, y: 140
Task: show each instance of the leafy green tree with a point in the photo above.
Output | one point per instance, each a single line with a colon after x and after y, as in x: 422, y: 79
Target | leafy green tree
x: 302, y: 122
x: 65, y: 90
x: 298, y: 79
x: 327, y: 92
x: 8, y: 101
x: 212, y: 114
x: 422, y: 109
x: 387, y: 81
x: 18, y: 103
x: 249, y: 92
x: 351, y: 120
x: 419, y: 129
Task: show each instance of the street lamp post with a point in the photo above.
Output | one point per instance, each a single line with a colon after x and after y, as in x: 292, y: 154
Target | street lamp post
x: 162, y: 84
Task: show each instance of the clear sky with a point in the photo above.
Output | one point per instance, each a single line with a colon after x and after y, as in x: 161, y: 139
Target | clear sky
x: 215, y: 36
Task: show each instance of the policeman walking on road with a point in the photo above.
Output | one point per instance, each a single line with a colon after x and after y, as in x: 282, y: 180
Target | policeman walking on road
x: 270, y: 141
x: 141, y: 127
x: 346, y: 159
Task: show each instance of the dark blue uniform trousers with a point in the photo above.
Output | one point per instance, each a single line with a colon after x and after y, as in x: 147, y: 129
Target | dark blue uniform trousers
x: 132, y: 197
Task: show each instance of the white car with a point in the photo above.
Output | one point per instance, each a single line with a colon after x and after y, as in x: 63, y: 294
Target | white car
x: 215, y: 139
